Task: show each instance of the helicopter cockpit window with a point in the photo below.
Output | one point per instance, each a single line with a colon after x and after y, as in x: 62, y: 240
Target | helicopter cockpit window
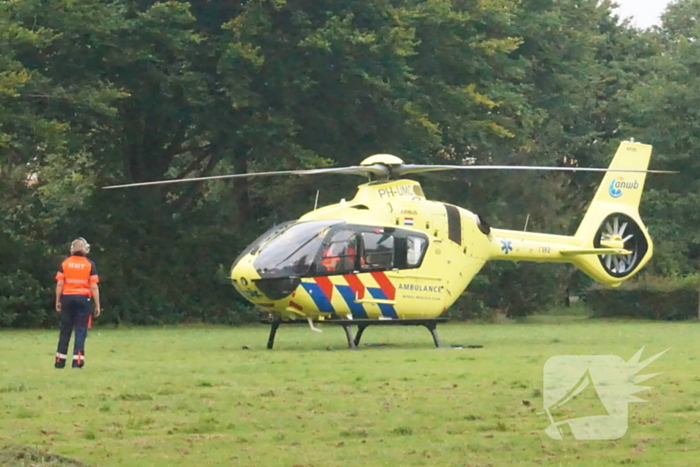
x: 377, y: 251
x: 253, y: 247
x: 340, y: 254
x: 414, y: 251
x: 292, y: 251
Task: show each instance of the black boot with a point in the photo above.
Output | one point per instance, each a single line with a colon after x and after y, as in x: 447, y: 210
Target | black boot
x: 60, y: 361
x: 78, y: 360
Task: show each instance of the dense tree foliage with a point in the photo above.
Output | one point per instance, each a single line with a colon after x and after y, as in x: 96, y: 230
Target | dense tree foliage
x: 663, y: 110
x: 98, y: 92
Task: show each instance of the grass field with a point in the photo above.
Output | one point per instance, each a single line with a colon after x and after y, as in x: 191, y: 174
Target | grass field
x: 194, y: 396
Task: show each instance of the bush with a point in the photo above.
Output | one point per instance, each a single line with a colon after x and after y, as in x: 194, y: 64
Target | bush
x: 24, y: 302
x: 665, y: 298
x: 468, y: 307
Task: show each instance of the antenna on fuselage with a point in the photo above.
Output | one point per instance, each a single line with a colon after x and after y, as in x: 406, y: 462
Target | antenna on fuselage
x: 527, y: 219
x: 316, y: 202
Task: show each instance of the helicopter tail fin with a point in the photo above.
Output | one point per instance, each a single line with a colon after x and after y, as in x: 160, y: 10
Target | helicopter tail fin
x: 613, y: 222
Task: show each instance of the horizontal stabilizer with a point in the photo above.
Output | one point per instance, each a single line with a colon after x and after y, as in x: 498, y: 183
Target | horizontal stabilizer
x: 596, y: 251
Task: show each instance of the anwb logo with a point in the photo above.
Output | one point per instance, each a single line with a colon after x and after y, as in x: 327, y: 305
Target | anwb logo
x: 616, y: 186
x: 587, y: 396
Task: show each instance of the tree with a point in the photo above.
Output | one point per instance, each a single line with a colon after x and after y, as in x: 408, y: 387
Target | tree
x: 664, y: 109
x: 100, y: 92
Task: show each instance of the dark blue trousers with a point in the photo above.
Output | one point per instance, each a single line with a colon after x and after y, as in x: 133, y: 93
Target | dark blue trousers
x: 75, y: 315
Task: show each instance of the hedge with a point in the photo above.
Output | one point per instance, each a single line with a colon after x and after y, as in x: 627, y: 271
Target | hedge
x: 663, y: 298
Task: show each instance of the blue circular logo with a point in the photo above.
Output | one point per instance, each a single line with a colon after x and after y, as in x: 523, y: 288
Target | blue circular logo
x: 614, y: 192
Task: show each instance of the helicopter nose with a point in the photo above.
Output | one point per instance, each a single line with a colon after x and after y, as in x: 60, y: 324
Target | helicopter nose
x: 243, y: 276
x: 256, y: 289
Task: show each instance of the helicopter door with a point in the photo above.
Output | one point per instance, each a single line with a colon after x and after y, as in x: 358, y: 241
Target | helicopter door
x: 378, y: 254
x: 340, y: 254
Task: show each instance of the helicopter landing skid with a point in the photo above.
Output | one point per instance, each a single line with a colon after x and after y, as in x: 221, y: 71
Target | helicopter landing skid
x: 354, y: 341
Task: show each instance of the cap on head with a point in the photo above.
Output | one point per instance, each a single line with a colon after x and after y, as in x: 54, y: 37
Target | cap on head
x: 79, y: 245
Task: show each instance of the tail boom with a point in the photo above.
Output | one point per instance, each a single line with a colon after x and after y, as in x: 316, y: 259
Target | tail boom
x: 611, y: 244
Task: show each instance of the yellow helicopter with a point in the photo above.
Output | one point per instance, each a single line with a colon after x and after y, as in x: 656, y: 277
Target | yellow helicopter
x: 391, y: 256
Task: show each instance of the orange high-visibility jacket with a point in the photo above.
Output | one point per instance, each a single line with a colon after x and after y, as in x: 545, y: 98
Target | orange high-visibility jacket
x: 77, y: 273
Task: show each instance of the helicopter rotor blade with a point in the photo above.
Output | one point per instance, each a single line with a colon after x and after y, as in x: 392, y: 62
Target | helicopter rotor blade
x: 382, y: 171
x: 405, y: 169
x: 377, y: 170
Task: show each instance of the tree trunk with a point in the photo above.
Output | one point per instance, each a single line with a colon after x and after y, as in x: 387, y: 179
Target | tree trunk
x: 240, y: 185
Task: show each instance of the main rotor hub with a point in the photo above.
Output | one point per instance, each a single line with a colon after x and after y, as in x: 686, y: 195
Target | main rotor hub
x: 383, y: 159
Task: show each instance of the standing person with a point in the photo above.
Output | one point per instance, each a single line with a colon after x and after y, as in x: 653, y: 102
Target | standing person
x: 77, y: 293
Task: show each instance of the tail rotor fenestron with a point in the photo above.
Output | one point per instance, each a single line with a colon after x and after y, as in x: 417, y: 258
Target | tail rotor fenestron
x: 622, y: 230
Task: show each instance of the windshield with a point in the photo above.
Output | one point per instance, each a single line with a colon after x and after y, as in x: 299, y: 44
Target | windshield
x: 292, y: 252
x: 262, y: 239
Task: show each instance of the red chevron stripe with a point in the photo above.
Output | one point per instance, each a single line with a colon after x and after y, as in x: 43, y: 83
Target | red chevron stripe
x: 385, y: 284
x: 356, y: 285
x: 326, y: 286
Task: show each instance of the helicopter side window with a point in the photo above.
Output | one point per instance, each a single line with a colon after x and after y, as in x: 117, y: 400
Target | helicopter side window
x: 377, y: 251
x: 340, y: 254
x: 415, y: 249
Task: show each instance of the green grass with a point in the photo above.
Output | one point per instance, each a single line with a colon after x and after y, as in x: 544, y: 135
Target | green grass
x: 194, y: 396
